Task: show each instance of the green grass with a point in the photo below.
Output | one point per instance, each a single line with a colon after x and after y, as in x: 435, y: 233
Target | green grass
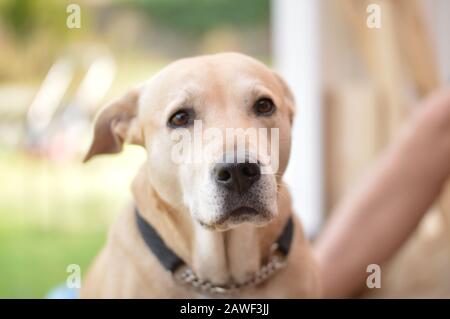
x: 35, y: 260
x: 56, y: 214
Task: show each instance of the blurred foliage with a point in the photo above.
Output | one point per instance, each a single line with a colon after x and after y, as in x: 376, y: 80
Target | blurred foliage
x: 27, y: 17
x: 33, y: 33
x: 199, y: 16
x: 19, y: 15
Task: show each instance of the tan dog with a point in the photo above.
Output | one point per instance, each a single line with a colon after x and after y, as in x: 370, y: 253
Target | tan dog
x: 219, y: 217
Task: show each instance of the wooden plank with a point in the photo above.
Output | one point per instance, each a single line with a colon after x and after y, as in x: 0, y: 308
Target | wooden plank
x: 415, y: 44
x: 402, y: 43
x: 352, y: 122
x: 379, y: 49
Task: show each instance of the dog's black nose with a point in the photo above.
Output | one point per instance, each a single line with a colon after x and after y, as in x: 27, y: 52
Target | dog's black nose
x: 237, y: 176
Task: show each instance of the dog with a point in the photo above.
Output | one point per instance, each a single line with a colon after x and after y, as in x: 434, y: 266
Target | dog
x: 211, y: 227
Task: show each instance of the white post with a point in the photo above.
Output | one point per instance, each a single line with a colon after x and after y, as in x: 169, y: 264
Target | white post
x: 296, y: 51
x: 440, y: 26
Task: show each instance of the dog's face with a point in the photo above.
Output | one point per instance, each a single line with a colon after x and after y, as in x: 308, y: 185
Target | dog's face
x: 217, y: 134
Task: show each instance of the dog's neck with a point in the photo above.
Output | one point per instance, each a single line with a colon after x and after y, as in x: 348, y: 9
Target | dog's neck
x: 219, y: 257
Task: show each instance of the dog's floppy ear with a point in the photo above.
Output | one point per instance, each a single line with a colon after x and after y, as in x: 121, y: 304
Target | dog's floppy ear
x: 288, y: 95
x: 116, y: 123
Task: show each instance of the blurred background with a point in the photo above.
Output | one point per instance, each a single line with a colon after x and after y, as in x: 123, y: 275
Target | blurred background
x: 354, y: 86
x: 54, y: 211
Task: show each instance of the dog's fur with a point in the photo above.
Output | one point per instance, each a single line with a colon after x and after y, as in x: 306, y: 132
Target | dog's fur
x: 181, y: 201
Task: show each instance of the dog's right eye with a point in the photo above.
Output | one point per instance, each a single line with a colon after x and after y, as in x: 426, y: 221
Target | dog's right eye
x: 181, y: 118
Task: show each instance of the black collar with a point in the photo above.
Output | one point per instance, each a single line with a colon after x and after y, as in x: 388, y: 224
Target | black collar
x: 171, y: 261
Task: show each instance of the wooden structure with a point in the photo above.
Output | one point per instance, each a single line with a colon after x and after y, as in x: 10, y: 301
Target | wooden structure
x: 376, y: 76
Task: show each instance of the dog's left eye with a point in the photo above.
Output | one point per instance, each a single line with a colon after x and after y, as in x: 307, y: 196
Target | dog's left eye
x: 181, y: 118
x: 264, y: 106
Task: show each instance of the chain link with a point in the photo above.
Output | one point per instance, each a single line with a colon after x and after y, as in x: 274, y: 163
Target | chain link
x: 275, y: 262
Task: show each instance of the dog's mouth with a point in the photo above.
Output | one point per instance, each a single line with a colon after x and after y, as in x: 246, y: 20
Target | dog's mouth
x: 239, y: 215
x: 243, y: 212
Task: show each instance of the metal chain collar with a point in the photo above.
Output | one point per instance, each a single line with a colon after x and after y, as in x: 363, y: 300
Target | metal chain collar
x: 275, y: 262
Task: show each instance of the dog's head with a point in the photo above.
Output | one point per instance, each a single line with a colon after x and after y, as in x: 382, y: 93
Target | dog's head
x: 217, y: 133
